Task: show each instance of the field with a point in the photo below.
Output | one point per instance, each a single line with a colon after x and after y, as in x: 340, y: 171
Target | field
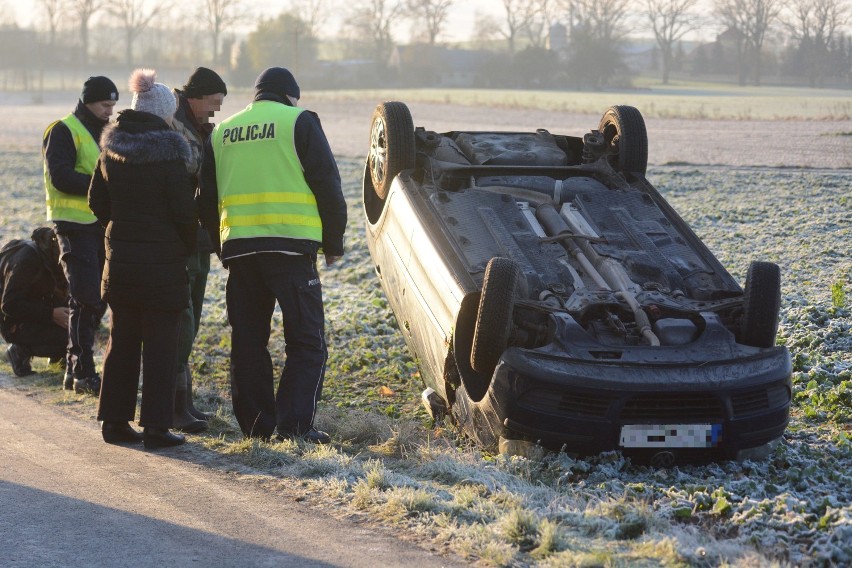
x: 387, y: 466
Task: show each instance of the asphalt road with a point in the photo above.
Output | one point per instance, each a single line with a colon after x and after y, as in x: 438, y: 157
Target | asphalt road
x: 69, y: 499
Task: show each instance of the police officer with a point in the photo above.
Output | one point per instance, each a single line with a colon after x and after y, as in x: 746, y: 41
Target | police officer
x: 271, y: 199
x: 70, y: 152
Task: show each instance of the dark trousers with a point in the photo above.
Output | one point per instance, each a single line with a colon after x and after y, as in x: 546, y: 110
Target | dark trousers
x: 39, y: 339
x: 149, y: 336
x: 82, y: 258
x: 197, y: 269
x: 255, y: 283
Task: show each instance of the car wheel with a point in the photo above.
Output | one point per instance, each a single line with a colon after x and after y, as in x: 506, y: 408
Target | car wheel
x: 391, y: 145
x: 626, y: 138
x: 761, y: 303
x: 494, y: 318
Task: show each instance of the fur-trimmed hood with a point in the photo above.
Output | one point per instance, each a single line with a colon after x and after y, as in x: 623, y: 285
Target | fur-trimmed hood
x: 138, y: 139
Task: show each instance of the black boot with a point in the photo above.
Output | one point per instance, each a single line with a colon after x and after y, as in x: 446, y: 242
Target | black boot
x: 154, y: 438
x: 19, y: 357
x: 183, y: 420
x: 189, y: 404
x: 120, y: 433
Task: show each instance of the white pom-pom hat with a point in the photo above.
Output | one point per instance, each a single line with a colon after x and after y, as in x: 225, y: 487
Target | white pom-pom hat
x: 150, y: 96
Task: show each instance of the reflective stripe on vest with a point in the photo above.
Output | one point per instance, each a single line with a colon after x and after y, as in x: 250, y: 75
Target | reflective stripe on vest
x: 65, y: 206
x: 262, y: 189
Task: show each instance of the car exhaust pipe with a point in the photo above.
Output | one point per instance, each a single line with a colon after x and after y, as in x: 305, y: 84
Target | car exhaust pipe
x: 607, y: 273
x: 554, y: 225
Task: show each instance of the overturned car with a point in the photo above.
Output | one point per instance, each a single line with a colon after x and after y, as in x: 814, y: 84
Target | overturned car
x: 552, y: 298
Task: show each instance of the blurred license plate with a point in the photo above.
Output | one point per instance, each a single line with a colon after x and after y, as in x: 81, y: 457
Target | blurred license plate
x: 671, y: 435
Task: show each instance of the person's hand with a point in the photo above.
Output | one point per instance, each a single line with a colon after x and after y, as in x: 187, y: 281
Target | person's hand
x: 331, y: 259
x: 60, y: 317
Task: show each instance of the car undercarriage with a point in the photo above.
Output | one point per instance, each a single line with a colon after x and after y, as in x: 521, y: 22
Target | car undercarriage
x: 554, y: 299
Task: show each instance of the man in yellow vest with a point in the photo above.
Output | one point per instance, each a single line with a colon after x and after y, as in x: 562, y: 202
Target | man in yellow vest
x: 271, y: 199
x: 71, y: 149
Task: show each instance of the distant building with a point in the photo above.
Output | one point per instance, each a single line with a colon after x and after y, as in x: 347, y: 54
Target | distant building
x: 557, y: 37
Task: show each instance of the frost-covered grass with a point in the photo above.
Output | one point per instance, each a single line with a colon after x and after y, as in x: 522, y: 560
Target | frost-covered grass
x: 387, y: 466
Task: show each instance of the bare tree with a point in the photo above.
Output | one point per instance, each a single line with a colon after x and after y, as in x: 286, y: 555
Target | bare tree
x: 372, y: 19
x: 313, y: 13
x: 606, y: 20
x: 53, y: 11
x: 670, y: 21
x: 432, y: 14
x: 220, y: 16
x: 519, y: 16
x: 134, y: 19
x: 84, y: 10
x: 750, y: 19
x: 815, y: 24
x: 541, y: 16
x: 597, y: 30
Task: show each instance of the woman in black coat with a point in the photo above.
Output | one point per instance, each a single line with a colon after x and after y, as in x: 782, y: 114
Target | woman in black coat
x: 141, y: 192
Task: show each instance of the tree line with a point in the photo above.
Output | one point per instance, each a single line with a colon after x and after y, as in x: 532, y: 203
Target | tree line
x: 542, y: 43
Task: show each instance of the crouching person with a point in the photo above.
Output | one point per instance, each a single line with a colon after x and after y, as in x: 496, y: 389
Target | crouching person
x: 141, y: 192
x: 34, y: 318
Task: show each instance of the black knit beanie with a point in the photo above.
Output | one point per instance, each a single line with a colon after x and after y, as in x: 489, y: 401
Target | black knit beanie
x: 204, y: 81
x: 98, y: 89
x: 278, y: 81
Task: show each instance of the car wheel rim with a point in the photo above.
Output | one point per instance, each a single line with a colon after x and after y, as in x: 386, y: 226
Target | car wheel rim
x: 378, y: 151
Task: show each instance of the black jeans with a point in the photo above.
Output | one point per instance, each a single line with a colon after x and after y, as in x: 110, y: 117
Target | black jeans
x: 150, y: 337
x: 40, y: 339
x: 255, y: 283
x: 82, y: 257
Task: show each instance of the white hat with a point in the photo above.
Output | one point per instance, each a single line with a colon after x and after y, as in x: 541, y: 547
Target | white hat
x: 149, y: 96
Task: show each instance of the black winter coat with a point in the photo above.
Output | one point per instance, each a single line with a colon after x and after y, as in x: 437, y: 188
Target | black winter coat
x: 141, y: 192
x: 31, y: 286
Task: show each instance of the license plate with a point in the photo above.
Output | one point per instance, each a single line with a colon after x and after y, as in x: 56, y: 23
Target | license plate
x: 671, y: 435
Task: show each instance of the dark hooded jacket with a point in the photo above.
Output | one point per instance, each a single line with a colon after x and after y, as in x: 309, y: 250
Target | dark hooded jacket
x: 141, y: 193
x: 31, y: 285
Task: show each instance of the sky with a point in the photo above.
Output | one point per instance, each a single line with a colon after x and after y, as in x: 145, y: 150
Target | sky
x: 460, y: 25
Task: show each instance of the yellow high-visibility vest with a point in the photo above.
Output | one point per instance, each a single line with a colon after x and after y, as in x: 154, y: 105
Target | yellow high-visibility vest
x: 262, y: 188
x: 64, y: 206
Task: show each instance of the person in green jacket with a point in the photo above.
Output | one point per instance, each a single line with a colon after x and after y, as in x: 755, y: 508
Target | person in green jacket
x: 271, y: 199
x: 71, y: 149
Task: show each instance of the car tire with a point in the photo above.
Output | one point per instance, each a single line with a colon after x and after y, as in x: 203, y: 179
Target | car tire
x: 626, y: 137
x: 391, y: 145
x: 494, y: 317
x: 761, y: 304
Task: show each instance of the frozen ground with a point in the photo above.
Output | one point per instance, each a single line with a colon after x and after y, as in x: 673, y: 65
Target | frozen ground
x: 792, y: 509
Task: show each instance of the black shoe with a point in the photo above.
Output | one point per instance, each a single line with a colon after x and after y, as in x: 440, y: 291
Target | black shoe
x: 316, y: 436
x: 161, y: 438
x: 88, y: 385
x: 192, y: 426
x: 19, y: 357
x: 68, y: 381
x: 313, y: 436
x: 120, y: 433
x: 198, y: 415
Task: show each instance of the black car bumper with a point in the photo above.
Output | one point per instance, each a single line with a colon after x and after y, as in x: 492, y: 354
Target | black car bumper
x: 687, y: 412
